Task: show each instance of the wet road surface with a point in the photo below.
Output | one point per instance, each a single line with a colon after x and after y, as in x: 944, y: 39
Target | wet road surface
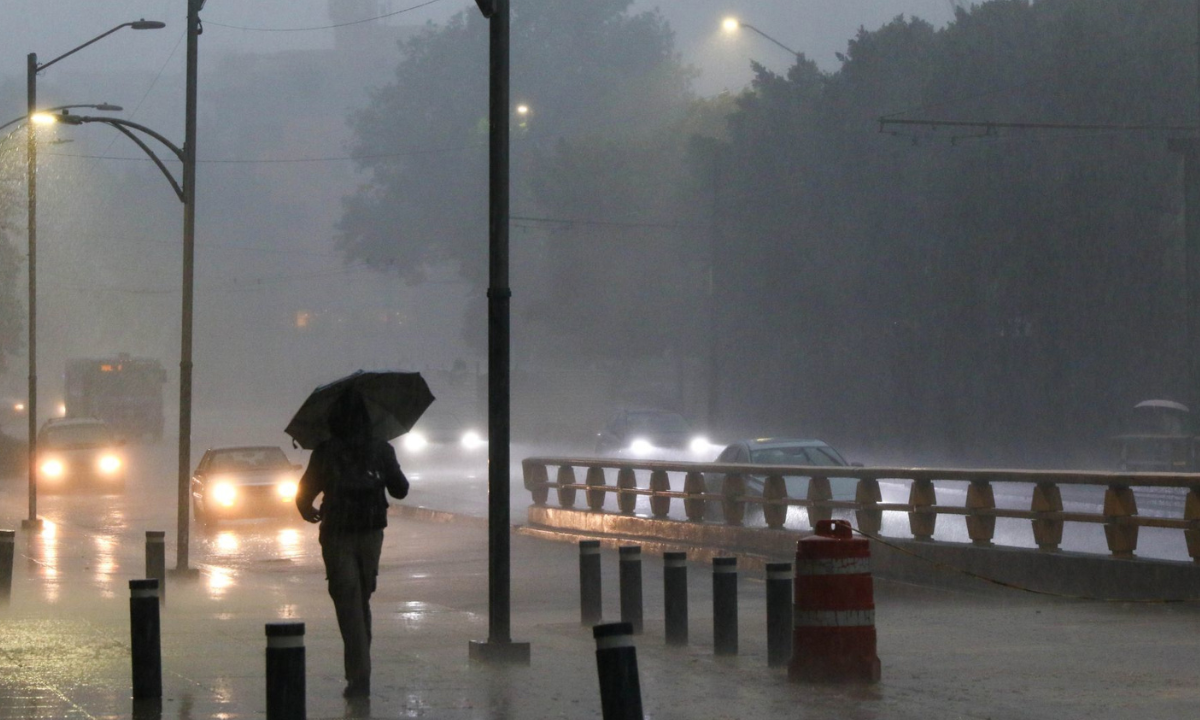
x: 64, y: 644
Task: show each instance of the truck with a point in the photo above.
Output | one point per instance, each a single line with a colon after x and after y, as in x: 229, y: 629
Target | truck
x: 124, y: 391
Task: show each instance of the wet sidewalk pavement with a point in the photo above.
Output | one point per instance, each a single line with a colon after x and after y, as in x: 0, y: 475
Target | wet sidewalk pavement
x: 64, y: 640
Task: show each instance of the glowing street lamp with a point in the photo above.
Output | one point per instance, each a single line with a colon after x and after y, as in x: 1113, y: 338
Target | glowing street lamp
x: 732, y: 25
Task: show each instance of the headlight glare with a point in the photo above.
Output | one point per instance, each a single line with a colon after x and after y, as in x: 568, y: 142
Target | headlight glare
x: 641, y: 446
x: 224, y: 493
x: 472, y: 440
x: 109, y: 464
x: 286, y: 489
x: 53, y: 468
x: 415, y: 442
x: 699, y: 445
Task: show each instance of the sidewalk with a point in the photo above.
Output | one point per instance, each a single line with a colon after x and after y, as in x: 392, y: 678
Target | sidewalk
x: 64, y: 641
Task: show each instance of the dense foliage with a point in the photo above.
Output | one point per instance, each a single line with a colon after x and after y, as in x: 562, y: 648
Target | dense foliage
x: 989, y: 297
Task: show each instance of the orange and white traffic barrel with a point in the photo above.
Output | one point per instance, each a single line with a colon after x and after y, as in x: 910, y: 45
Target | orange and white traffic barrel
x: 833, y: 617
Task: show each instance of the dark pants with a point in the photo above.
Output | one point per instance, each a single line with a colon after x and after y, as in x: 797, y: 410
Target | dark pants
x: 351, y: 564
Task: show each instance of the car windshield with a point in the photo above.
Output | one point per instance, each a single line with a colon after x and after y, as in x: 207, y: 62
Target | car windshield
x: 248, y: 459
x: 76, y: 435
x: 657, y: 422
x: 796, y: 455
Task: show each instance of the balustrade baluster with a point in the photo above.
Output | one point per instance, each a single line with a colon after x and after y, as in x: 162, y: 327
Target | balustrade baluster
x: 818, y: 491
x: 868, y: 495
x: 626, y: 480
x: 1047, y: 532
x: 536, y: 481
x: 922, y: 524
x: 660, y: 507
x: 693, y: 507
x: 1191, y: 511
x: 733, y: 488
x: 981, y: 528
x: 774, y: 488
x: 1119, y: 503
x: 566, y: 495
x: 595, y: 479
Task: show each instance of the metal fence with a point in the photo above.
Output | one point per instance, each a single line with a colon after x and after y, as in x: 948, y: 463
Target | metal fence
x: 718, y: 492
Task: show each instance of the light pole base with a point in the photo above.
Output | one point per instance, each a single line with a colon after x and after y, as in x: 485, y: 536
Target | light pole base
x: 500, y: 653
x: 185, y: 574
x: 31, y: 524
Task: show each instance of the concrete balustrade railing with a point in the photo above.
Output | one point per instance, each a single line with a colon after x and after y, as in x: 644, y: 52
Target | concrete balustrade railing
x: 1119, y: 514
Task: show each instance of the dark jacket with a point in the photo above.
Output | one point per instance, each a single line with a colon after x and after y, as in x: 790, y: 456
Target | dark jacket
x: 353, y: 478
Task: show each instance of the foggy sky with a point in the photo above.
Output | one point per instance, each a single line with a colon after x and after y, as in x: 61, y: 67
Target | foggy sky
x: 51, y: 27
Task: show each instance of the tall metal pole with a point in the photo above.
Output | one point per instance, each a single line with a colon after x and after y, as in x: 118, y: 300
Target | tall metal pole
x: 499, y: 646
x: 189, y: 254
x: 31, y: 68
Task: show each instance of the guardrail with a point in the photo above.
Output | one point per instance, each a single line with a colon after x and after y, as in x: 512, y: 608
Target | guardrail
x: 1119, y: 514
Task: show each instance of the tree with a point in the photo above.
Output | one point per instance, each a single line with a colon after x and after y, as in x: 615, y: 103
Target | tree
x: 11, y: 311
x: 600, y: 86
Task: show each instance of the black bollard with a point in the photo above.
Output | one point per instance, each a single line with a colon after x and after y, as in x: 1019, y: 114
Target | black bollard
x: 144, y: 635
x: 725, y: 609
x: 779, y: 614
x: 675, y: 597
x: 616, y: 662
x: 631, y: 586
x: 285, y: 671
x: 7, y: 545
x: 590, y: 601
x: 156, y: 561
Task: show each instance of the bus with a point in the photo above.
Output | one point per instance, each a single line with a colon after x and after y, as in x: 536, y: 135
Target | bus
x: 124, y: 391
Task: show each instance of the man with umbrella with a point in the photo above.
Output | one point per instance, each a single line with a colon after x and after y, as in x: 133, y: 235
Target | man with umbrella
x: 352, y: 465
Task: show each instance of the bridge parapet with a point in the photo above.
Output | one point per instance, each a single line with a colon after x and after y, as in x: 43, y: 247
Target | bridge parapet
x: 718, y: 492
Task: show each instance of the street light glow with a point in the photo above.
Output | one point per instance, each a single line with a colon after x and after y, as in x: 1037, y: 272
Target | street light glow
x: 42, y: 118
x: 730, y: 24
x: 522, y: 109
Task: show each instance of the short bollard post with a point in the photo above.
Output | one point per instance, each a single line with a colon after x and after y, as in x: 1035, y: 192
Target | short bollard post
x: 631, y: 586
x: 779, y: 614
x: 7, y: 546
x: 616, y: 661
x: 675, y: 597
x: 144, y: 637
x: 590, y: 602
x: 285, y: 671
x: 156, y: 561
x: 725, y: 606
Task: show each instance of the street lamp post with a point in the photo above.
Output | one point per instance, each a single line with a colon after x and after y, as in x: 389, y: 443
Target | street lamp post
x: 32, y: 68
x: 499, y: 647
x: 733, y: 24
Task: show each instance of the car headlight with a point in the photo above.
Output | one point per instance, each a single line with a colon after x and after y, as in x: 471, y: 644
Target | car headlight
x: 472, y: 440
x: 286, y: 489
x: 415, y: 442
x: 699, y: 445
x: 641, y: 446
x: 109, y: 464
x: 53, y: 468
x: 224, y: 493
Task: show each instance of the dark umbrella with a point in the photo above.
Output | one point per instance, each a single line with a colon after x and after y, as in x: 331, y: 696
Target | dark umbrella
x: 394, y: 401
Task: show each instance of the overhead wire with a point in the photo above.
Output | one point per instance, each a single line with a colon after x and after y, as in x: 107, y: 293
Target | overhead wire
x: 325, y: 27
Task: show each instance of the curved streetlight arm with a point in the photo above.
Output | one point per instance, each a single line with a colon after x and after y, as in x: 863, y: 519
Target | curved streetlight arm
x: 100, y: 106
x: 748, y: 26
x: 140, y: 24
x: 124, y: 127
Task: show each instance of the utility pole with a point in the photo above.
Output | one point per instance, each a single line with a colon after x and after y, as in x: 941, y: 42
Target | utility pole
x: 1189, y: 148
x: 499, y: 647
x: 33, y: 522
x: 189, y: 255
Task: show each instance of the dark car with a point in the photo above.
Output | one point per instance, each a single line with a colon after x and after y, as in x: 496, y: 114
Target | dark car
x: 79, y: 454
x: 242, y: 482
x: 780, y: 451
x: 442, y: 430
x: 642, y: 433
